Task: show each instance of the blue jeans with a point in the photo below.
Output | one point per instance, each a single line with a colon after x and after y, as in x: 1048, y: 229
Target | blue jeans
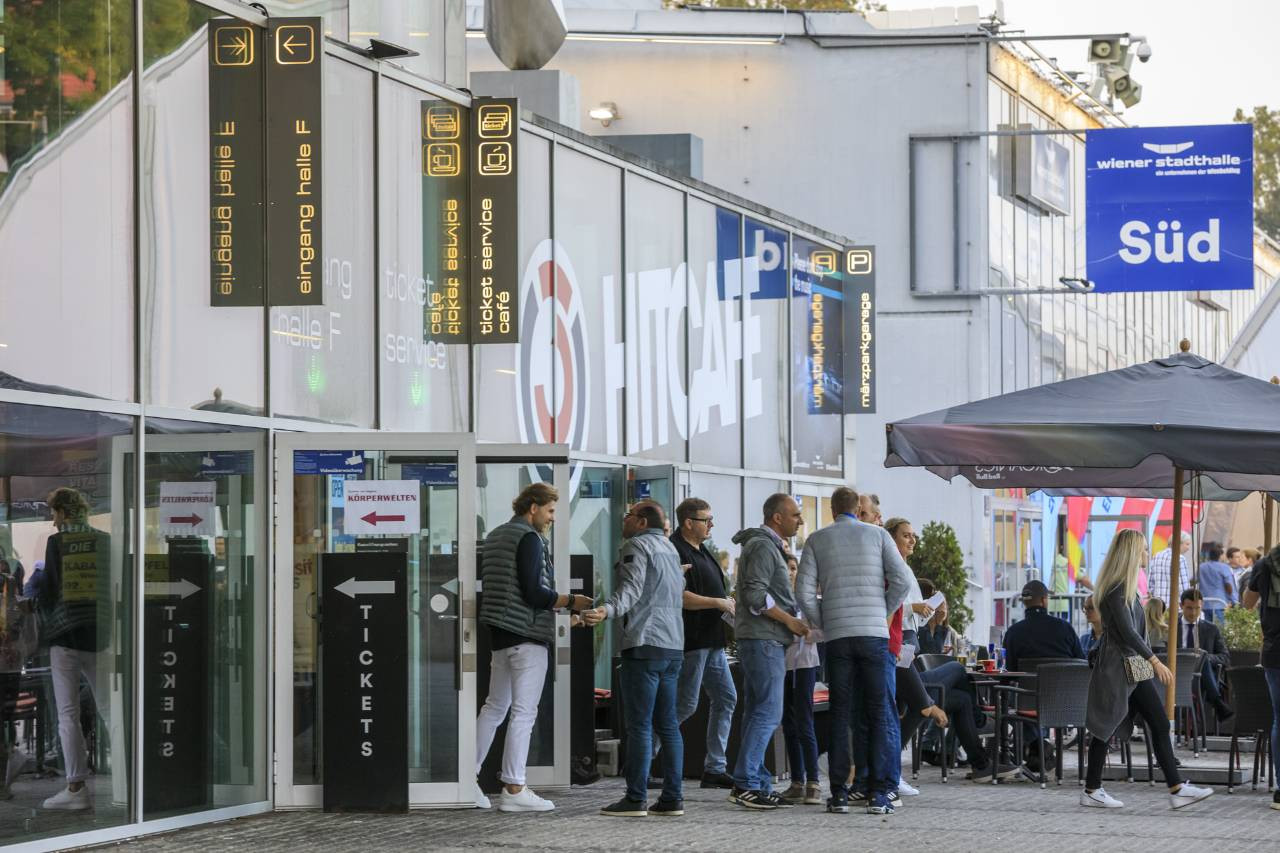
x: 764, y: 665
x: 1273, y: 687
x: 860, y: 675
x: 649, y: 703
x: 1214, y: 615
x: 797, y: 723
x: 708, y: 669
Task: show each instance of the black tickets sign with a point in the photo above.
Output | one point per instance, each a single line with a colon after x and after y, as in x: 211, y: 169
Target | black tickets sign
x: 177, y: 644
x: 444, y: 132
x: 364, y: 676
x: 235, y: 163
x: 495, y: 217
x: 295, y: 262
x: 860, y: 330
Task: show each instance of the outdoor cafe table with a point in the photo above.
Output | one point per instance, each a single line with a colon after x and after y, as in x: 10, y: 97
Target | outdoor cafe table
x: 1000, y: 699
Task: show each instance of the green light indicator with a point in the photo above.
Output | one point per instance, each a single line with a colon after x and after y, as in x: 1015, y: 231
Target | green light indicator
x: 315, y: 375
x: 416, y: 390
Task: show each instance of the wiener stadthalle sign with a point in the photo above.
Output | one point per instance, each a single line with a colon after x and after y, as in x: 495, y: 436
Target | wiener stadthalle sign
x: 1169, y: 208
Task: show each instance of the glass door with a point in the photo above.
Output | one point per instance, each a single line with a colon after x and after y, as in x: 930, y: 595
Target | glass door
x: 502, y: 471
x: 403, y: 499
x: 657, y: 483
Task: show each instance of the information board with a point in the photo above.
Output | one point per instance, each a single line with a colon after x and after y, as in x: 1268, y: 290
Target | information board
x: 495, y: 220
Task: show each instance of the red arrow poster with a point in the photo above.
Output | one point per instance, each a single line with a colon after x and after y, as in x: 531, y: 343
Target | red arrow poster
x: 381, y: 506
x: 188, y: 509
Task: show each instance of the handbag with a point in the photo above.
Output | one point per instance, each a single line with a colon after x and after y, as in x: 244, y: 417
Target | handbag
x: 1137, y: 669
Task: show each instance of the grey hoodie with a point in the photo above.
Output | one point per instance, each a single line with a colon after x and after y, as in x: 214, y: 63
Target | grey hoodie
x: 762, y: 571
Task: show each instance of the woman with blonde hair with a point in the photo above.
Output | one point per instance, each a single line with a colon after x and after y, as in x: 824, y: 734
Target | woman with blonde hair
x: 1155, y: 618
x: 1123, y: 679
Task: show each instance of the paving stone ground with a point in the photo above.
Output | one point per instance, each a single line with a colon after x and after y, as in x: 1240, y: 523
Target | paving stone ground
x: 956, y: 817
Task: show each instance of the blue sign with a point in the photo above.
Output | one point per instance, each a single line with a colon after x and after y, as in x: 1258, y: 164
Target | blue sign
x: 226, y: 463
x: 769, y: 247
x: 432, y: 474
x: 1170, y: 208
x: 328, y: 461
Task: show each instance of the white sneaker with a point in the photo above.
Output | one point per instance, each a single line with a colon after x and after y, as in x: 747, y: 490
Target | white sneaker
x: 905, y: 789
x: 1187, y: 795
x: 70, y: 801
x: 482, y: 801
x: 525, y: 801
x: 1099, y: 799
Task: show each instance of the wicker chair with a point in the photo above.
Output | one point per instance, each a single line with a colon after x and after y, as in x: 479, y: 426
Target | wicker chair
x: 1188, y: 708
x: 1061, y: 696
x: 1251, y: 701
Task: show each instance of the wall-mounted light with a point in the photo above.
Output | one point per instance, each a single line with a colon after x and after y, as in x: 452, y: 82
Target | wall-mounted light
x: 606, y: 113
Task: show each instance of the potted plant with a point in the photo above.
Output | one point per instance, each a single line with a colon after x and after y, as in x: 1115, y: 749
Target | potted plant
x: 1242, y: 632
x: 938, y: 557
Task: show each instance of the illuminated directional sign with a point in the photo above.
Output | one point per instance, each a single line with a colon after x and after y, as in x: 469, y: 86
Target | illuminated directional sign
x: 235, y: 165
x: 495, y: 216
x: 860, y: 330
x: 295, y: 260
x: 445, y: 127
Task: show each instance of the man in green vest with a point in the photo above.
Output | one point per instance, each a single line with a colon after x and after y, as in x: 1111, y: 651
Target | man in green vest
x: 518, y: 597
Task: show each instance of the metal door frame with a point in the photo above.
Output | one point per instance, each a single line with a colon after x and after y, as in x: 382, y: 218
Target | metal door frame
x: 421, y: 794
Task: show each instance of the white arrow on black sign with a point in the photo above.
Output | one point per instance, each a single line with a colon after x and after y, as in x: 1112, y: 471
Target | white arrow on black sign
x: 352, y: 587
x: 183, y: 588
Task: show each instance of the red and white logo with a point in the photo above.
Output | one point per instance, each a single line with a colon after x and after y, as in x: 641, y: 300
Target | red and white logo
x: 553, y: 373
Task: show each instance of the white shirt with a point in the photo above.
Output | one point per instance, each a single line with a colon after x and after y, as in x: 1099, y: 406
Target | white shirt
x: 1158, y: 575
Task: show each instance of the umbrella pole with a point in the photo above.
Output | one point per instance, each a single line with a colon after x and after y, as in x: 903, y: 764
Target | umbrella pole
x: 1175, y: 564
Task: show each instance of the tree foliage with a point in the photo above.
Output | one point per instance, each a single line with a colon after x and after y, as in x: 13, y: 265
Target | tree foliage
x: 938, y: 557
x: 1266, y: 167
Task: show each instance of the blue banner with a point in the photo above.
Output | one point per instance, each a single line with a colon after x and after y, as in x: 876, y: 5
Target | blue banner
x: 1170, y: 208
x: 328, y: 461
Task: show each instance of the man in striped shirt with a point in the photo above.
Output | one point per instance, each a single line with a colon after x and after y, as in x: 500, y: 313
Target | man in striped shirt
x: 1158, y: 572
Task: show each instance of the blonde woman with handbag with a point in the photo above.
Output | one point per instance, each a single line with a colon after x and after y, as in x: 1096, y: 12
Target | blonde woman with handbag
x: 1123, y: 682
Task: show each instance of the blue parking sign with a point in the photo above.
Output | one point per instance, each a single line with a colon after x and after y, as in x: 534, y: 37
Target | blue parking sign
x: 1170, y: 208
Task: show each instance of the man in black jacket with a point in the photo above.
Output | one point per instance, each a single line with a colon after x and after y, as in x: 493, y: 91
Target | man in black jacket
x: 706, y: 602
x: 1195, y: 633
x: 1038, y: 634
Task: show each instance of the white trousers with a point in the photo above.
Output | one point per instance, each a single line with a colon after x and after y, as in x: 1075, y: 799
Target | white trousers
x: 66, y: 665
x: 516, y: 677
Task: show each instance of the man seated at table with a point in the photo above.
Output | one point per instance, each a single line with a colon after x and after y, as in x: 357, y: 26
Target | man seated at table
x: 1197, y: 633
x: 1039, y: 635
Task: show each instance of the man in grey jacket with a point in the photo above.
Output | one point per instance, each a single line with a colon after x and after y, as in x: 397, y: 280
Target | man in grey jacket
x: 649, y: 596
x: 863, y: 580
x: 765, y: 624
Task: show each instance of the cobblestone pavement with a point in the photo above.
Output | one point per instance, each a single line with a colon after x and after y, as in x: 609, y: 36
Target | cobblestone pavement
x: 958, y: 816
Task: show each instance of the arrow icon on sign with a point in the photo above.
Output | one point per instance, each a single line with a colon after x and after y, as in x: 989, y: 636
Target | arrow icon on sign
x: 238, y: 46
x: 373, y: 518
x: 289, y: 43
x: 352, y: 587
x: 192, y: 519
x: 183, y: 588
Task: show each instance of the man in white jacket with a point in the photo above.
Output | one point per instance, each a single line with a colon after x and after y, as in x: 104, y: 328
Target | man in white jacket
x: 863, y: 579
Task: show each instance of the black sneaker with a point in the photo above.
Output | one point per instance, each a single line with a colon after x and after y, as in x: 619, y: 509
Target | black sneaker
x: 1006, y: 771
x: 838, y: 804
x: 1275, y: 800
x: 777, y: 800
x: 626, y: 808
x: 717, y: 780
x: 752, y: 799
x: 667, y: 808
x: 882, y: 806
x: 858, y: 797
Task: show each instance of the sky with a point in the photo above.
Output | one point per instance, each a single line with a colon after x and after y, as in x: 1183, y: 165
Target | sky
x: 1208, y: 56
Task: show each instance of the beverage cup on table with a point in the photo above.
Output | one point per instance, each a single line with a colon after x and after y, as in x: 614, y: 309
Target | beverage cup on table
x: 989, y: 665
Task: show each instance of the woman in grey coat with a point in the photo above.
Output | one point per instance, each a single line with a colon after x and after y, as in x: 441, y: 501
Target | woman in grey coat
x: 1112, y: 699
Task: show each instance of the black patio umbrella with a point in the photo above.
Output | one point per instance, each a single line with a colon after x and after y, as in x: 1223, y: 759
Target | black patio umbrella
x: 1152, y: 429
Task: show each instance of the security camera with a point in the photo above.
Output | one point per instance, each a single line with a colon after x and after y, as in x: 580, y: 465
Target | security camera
x: 1143, y: 50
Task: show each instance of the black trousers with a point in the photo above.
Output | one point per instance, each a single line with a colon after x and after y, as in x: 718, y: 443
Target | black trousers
x: 1147, y: 702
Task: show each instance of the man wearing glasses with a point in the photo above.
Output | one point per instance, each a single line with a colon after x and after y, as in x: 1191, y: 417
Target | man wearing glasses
x: 706, y: 606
